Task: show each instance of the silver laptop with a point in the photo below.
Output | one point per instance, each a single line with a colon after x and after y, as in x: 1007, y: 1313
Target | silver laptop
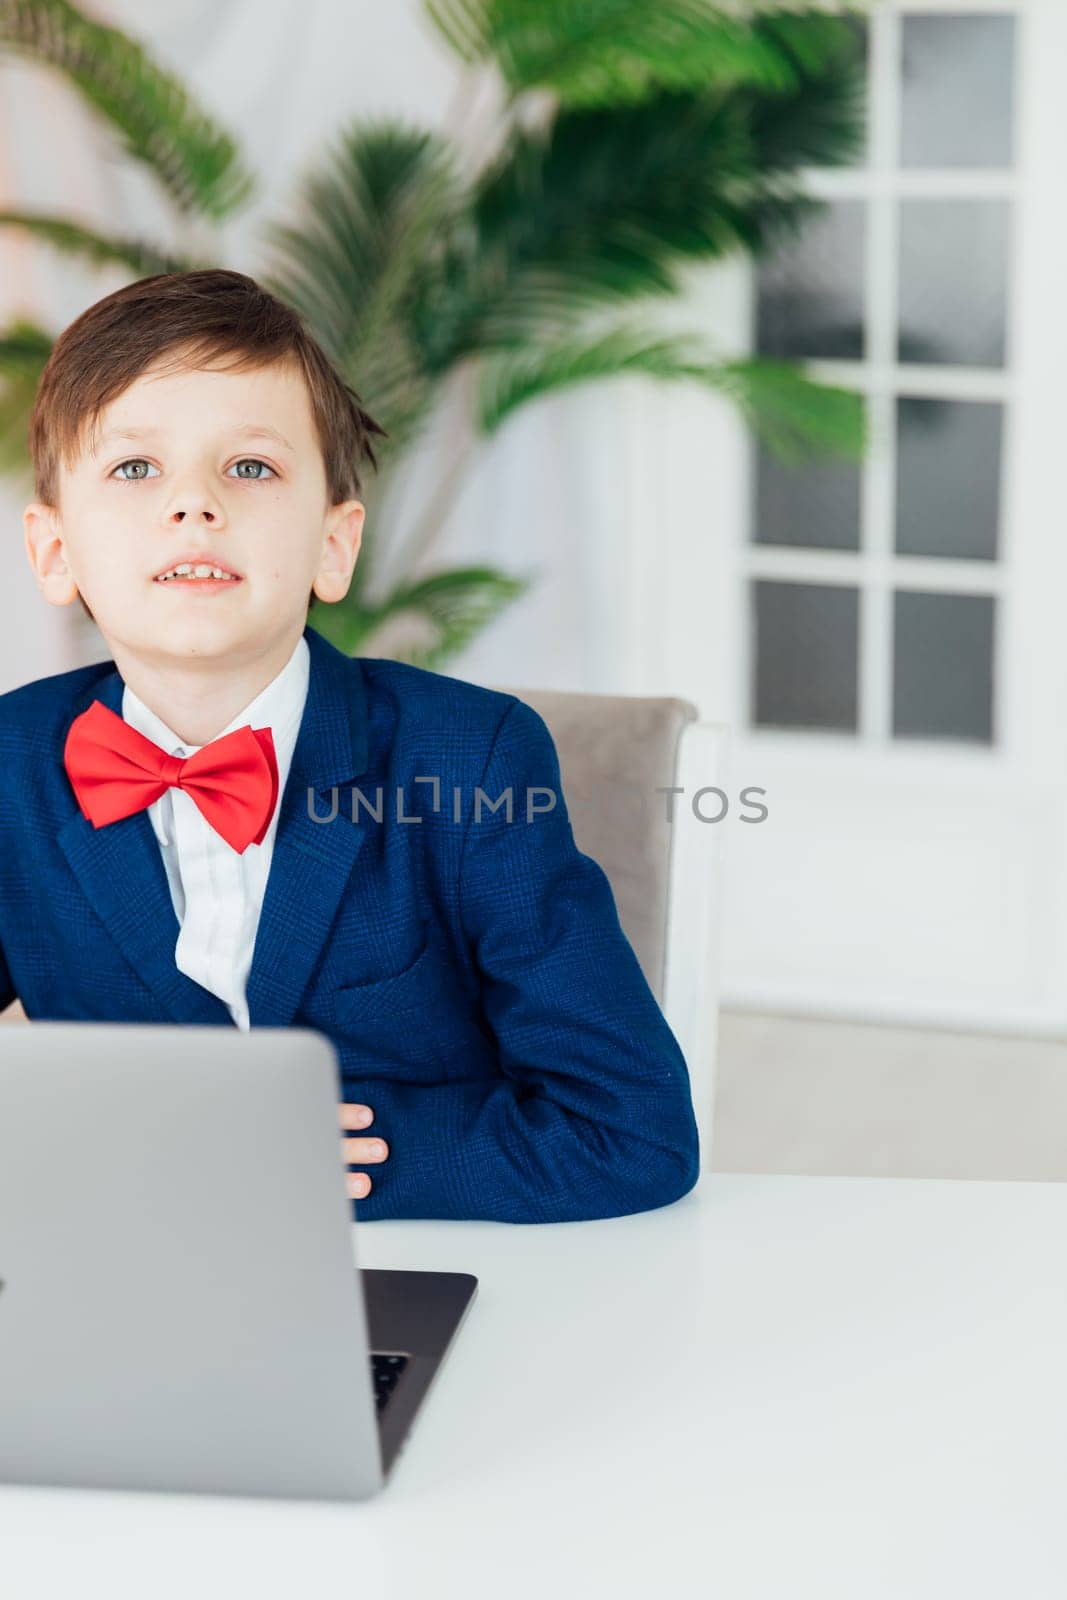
x: 180, y: 1306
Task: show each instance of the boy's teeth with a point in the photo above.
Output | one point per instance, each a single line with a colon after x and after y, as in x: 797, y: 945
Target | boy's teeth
x: 185, y: 570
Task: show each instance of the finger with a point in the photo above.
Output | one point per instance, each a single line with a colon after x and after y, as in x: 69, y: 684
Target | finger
x: 358, y: 1150
x: 358, y: 1185
x: 355, y: 1116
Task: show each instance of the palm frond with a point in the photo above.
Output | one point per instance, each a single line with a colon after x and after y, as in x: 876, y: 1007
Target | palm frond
x: 72, y: 238
x: 158, y: 123
x: 24, y: 350
x: 463, y: 24
x: 425, y: 621
x: 456, y: 605
x: 605, y: 200
x: 605, y: 205
x: 24, y: 347
x: 795, y: 415
x: 363, y: 253
x: 820, y: 122
x: 618, y: 52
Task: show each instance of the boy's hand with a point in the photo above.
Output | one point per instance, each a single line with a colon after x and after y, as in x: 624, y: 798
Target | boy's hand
x: 359, y: 1150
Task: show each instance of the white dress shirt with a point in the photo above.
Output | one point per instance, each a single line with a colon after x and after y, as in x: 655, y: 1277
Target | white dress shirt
x: 218, y: 894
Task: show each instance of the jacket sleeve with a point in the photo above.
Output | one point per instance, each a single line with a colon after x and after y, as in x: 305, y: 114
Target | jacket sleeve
x: 592, y: 1115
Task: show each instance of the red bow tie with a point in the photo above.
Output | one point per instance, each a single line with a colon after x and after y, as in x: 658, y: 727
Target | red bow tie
x: 116, y: 771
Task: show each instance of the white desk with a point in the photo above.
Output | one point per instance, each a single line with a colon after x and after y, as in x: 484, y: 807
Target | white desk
x: 779, y: 1387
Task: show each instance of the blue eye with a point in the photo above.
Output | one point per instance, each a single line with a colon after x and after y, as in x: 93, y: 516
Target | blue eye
x: 135, y: 461
x: 253, y: 461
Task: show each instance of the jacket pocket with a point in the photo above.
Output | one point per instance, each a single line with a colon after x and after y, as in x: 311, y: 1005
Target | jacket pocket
x: 400, y: 993
x: 415, y: 1024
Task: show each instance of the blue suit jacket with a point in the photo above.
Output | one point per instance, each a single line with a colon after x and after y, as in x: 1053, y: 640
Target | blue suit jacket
x: 472, y: 974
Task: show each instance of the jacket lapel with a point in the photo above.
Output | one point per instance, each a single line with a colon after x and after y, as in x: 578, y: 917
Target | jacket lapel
x: 121, y: 872
x: 312, y: 861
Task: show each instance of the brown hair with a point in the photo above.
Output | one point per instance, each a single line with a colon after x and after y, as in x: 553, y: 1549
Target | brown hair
x: 210, y: 313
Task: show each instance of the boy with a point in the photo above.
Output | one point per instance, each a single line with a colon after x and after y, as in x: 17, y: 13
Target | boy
x: 231, y: 821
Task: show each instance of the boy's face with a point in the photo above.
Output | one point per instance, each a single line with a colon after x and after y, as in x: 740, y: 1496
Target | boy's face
x: 186, y: 483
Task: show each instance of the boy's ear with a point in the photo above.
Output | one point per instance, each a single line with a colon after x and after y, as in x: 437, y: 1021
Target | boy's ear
x: 344, y: 523
x: 344, y: 535
x: 45, y: 553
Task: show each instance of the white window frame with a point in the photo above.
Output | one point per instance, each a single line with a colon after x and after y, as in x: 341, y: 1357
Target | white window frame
x: 875, y: 570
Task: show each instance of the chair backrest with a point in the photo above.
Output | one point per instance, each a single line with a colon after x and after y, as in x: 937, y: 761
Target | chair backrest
x: 614, y: 752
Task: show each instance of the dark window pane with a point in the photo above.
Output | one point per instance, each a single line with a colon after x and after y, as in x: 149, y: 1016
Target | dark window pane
x: 953, y: 275
x: 956, y: 91
x: 948, y: 477
x: 810, y: 288
x: 814, y: 503
x: 943, y: 666
x: 806, y: 655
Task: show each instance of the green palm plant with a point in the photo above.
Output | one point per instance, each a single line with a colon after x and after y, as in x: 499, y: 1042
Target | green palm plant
x: 630, y: 139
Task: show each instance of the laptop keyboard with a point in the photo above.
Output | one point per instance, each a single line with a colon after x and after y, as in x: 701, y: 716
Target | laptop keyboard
x: 385, y: 1371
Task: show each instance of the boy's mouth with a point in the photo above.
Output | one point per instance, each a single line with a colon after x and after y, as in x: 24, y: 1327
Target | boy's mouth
x: 200, y: 571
